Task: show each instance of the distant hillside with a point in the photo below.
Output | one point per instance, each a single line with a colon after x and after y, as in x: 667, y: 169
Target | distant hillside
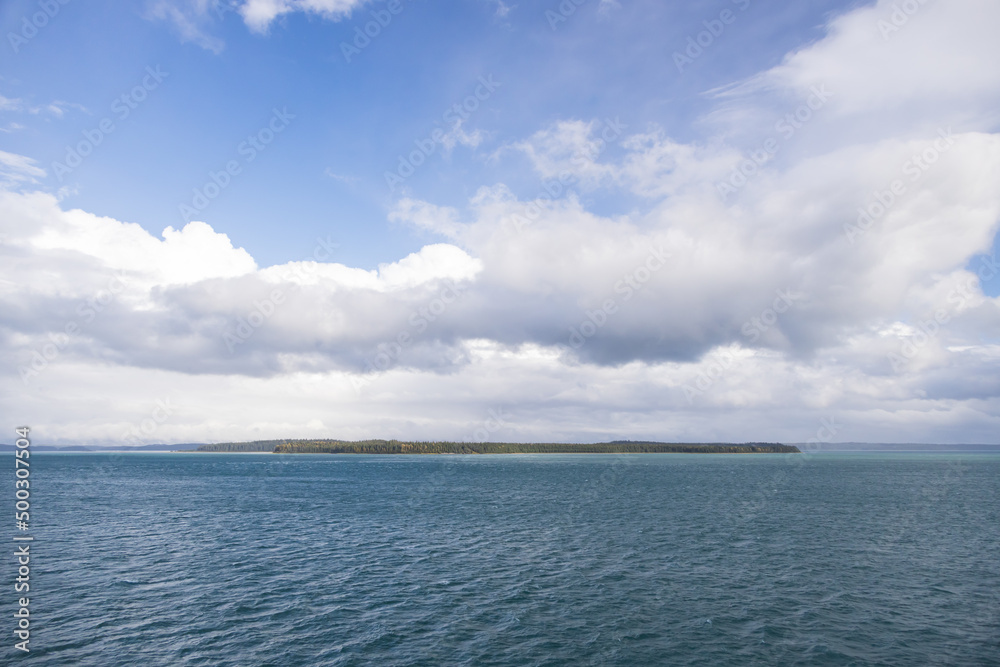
x: 620, y: 447
x: 48, y: 448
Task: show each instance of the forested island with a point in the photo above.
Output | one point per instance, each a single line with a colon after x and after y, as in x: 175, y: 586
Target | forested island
x: 243, y: 447
x: 401, y: 447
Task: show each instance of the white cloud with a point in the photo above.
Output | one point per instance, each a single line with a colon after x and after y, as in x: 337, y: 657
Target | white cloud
x: 437, y: 219
x: 8, y: 104
x: 18, y: 169
x: 346, y: 180
x: 259, y: 14
x: 909, y: 70
x: 433, y: 263
x: 505, y: 343
x: 503, y: 9
x: 56, y: 108
x: 193, y: 19
x: 604, y: 154
x: 192, y: 254
x: 458, y: 136
x: 568, y: 147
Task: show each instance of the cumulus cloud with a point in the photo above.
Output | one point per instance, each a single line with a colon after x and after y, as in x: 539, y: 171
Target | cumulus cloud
x: 37, y: 223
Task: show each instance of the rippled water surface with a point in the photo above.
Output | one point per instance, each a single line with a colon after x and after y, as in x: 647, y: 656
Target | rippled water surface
x: 657, y: 559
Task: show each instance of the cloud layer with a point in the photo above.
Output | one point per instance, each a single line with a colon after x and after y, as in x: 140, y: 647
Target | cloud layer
x: 808, y: 259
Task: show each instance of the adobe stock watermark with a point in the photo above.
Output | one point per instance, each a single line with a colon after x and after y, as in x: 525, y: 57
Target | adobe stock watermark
x: 381, y: 18
x: 562, y: 12
x: 753, y: 506
x: 988, y: 268
x: 929, y: 328
x: 438, y: 480
x: 716, y: 369
x: 138, y: 434
x: 714, y: 28
x: 597, y: 488
x: 828, y: 429
x: 930, y: 493
x: 122, y: 108
x: 263, y: 309
x: 553, y: 188
x: 247, y: 326
x: 22, y: 518
x: 30, y: 25
x: 454, y: 116
x: 88, y: 310
x: 899, y: 17
x: 223, y: 7
x: 248, y: 150
x: 629, y: 285
x: 786, y: 127
x: 389, y: 352
x: 322, y: 252
x: 752, y: 330
x: 755, y: 326
x: 493, y: 423
x: 883, y: 200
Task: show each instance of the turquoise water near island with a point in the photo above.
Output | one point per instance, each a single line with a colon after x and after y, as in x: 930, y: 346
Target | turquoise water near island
x: 647, y: 559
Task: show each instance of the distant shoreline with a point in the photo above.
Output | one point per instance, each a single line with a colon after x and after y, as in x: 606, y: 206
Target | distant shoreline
x: 400, y: 447
x: 259, y: 447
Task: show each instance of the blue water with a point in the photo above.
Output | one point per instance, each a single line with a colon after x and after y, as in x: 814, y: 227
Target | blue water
x: 658, y: 559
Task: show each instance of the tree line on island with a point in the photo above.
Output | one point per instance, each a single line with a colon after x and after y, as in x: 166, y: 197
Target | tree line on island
x: 402, y: 447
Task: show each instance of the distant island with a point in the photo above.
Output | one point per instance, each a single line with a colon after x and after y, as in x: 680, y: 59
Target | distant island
x: 401, y: 447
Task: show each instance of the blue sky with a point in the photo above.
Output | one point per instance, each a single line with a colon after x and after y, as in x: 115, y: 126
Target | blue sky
x: 727, y: 220
x: 353, y: 120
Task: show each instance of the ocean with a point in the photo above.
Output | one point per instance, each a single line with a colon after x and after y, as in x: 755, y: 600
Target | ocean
x: 644, y: 559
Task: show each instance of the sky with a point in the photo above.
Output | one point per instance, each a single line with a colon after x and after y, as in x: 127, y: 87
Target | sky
x: 587, y: 220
